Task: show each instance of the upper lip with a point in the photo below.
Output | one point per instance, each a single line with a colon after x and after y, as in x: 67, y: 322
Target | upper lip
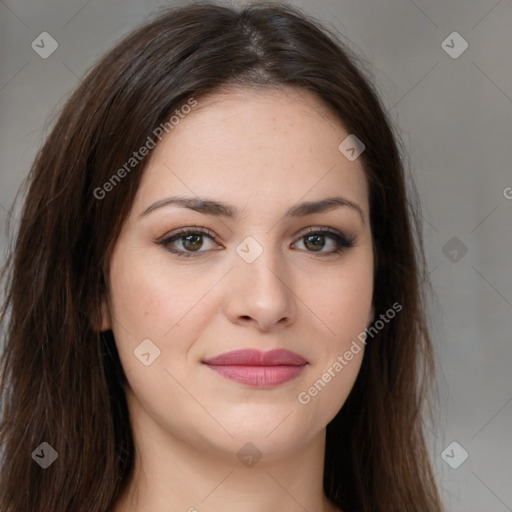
x: 255, y: 357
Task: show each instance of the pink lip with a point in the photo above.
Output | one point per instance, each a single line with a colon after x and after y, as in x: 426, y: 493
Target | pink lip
x: 257, y: 368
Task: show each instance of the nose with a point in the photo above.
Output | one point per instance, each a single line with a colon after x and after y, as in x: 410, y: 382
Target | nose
x: 260, y: 293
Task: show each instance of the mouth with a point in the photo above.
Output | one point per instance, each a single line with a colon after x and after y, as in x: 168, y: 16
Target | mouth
x: 258, y: 369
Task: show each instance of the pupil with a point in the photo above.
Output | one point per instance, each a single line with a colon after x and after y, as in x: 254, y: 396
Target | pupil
x: 316, y: 239
x: 196, y: 245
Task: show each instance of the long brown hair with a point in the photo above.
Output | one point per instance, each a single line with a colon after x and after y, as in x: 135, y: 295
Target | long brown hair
x: 62, y: 381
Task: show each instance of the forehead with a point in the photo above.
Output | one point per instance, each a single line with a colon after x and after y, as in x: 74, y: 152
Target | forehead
x: 255, y: 146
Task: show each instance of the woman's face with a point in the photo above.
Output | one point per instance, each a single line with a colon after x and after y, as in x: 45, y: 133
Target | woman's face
x: 247, y: 276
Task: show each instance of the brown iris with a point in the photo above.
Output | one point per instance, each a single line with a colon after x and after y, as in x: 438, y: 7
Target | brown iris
x: 318, y: 242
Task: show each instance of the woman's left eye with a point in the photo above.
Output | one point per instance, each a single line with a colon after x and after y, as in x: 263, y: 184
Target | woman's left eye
x: 315, y: 240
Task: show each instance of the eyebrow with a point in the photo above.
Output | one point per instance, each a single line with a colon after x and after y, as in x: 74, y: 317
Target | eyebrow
x: 221, y: 209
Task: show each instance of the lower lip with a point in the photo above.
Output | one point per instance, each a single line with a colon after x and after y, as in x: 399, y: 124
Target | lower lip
x: 259, y: 376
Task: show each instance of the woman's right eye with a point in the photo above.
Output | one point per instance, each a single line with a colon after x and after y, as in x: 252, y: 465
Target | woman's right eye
x: 191, y: 241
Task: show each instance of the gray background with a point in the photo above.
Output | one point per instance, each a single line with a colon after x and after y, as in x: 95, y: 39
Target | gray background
x: 454, y: 115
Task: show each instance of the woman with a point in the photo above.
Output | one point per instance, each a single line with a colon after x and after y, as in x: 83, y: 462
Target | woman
x: 215, y: 293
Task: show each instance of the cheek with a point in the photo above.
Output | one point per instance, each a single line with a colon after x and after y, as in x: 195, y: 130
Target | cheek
x: 347, y: 306
x: 171, y: 307
x: 344, y: 300
x: 149, y: 296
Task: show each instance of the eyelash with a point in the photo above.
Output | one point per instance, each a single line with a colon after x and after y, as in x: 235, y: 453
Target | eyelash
x: 342, y: 242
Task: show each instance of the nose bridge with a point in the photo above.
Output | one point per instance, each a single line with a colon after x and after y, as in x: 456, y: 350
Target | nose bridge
x: 260, y: 287
x: 262, y: 264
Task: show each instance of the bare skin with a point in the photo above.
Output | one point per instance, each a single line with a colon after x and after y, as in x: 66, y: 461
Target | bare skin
x: 262, y: 152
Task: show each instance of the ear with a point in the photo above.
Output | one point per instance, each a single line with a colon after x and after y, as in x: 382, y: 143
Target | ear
x: 100, y: 317
x: 105, y: 322
x: 371, y: 316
